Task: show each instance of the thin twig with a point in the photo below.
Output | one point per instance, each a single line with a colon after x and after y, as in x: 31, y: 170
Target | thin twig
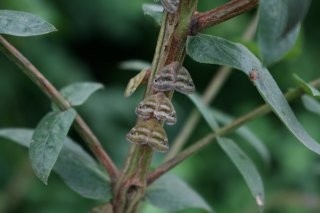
x: 198, y: 145
x: 82, y: 128
x: 210, y: 93
x: 220, y: 14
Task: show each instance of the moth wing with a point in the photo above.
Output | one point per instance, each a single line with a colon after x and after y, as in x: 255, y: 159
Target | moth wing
x: 158, y: 139
x: 184, y: 82
x: 147, y: 106
x: 159, y: 146
x: 164, y: 79
x: 140, y: 133
x: 165, y: 110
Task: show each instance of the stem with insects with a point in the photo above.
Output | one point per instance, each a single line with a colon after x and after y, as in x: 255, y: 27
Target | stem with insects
x: 45, y: 86
x: 131, y: 186
x: 200, y: 144
x: 132, y: 179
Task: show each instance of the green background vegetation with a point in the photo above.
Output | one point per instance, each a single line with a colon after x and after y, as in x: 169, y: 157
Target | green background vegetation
x: 93, y: 38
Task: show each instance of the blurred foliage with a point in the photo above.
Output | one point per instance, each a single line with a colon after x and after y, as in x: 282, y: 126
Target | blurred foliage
x: 93, y: 38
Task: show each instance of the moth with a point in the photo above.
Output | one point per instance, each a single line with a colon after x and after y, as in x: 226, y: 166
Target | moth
x: 136, y: 81
x: 158, y: 106
x: 170, y: 5
x: 174, y: 77
x: 149, y: 132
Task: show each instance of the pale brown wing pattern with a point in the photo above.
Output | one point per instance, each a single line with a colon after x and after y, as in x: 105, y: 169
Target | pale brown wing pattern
x: 158, y: 106
x: 174, y: 77
x: 149, y: 132
x: 183, y: 81
x: 164, y: 80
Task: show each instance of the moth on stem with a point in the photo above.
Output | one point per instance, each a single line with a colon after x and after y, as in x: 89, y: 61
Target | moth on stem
x: 149, y: 132
x: 174, y: 77
x: 158, y: 106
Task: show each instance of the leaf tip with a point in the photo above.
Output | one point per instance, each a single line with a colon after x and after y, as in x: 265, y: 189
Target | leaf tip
x: 45, y: 181
x: 259, y: 201
x: 54, y: 29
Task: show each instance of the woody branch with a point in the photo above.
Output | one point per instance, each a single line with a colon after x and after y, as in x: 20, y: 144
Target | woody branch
x: 53, y: 94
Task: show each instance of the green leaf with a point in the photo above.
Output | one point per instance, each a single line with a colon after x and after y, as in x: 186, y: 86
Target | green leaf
x: 23, y: 24
x: 78, y: 93
x: 246, y: 168
x: 136, y: 65
x: 173, y: 194
x: 153, y: 10
x: 75, y: 166
x: 47, y: 141
x: 81, y: 173
x: 238, y: 157
x: 278, y: 30
x: 246, y: 134
x: 311, y: 104
x: 21, y: 136
x: 306, y: 87
x: 295, y: 11
x: 214, y: 50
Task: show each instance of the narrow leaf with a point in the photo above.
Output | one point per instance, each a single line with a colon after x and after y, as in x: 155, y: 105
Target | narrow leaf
x: 306, y: 87
x: 75, y: 166
x: 47, y: 141
x: 296, y: 10
x: 246, y: 134
x: 23, y: 24
x: 19, y: 135
x: 278, y: 30
x: 311, y: 104
x: 135, y: 82
x: 78, y: 93
x: 238, y: 157
x: 153, y: 10
x: 173, y: 194
x: 81, y: 173
x: 136, y: 65
x: 214, y: 50
x: 245, y: 167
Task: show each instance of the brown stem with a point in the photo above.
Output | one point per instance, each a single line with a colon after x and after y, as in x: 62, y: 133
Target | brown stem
x: 221, y: 14
x: 170, y: 47
x: 198, y: 145
x: 82, y: 128
x: 133, y: 178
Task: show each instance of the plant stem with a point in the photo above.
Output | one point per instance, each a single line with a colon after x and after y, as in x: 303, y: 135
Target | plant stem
x: 45, y: 86
x: 133, y: 178
x: 131, y: 186
x: 198, y: 145
x: 210, y: 93
x: 220, y: 14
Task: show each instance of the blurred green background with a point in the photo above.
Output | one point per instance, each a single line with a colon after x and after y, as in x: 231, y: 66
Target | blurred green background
x: 93, y: 38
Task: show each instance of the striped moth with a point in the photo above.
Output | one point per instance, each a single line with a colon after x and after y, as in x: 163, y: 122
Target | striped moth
x: 174, y: 77
x: 158, y: 106
x: 149, y: 132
